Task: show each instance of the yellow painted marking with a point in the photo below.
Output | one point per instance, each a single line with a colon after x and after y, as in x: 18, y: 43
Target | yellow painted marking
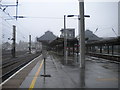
x: 35, y: 77
x: 107, y: 79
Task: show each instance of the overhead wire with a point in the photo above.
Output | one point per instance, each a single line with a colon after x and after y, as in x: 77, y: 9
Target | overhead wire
x: 6, y: 31
x: 19, y: 27
x: 7, y: 22
x: 23, y: 38
x: 3, y: 24
x: 28, y: 17
x: 11, y: 25
x: 96, y: 30
x: 114, y: 32
x: 8, y: 28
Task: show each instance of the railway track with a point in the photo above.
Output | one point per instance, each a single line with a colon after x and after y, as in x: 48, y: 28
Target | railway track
x: 9, y: 68
x: 7, y: 59
x: 7, y: 54
x: 115, y: 58
x: 11, y: 61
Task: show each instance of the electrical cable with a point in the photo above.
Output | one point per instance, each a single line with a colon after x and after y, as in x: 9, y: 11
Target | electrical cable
x: 96, y: 30
x: 114, y: 31
x: 6, y: 26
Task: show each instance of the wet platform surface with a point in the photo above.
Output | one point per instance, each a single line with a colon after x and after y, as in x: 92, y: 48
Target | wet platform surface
x: 59, y: 77
x: 97, y: 75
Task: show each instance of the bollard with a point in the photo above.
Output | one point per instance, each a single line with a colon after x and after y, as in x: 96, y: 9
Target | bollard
x: 44, y: 73
x: 44, y: 67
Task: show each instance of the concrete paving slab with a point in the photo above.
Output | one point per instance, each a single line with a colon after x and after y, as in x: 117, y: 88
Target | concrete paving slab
x: 66, y: 76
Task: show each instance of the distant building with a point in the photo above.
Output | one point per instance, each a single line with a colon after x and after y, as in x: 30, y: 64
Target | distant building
x: 89, y: 36
x: 6, y: 46
x: 70, y: 33
x: 47, y: 37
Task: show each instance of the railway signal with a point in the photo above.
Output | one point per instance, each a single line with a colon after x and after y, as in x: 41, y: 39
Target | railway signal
x: 14, y: 42
x: 29, y: 44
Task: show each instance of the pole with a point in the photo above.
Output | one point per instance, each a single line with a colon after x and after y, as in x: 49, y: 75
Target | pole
x: 30, y: 44
x: 14, y: 42
x: 65, y: 41
x: 16, y: 8
x: 119, y: 19
x: 44, y: 66
x: 82, y: 43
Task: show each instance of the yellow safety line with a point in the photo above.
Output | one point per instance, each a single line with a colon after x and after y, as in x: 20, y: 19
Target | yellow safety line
x: 35, y: 77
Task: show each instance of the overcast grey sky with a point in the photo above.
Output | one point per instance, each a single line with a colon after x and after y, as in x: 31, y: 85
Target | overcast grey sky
x: 46, y: 15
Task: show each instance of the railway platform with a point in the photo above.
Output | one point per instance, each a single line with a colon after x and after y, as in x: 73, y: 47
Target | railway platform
x: 97, y: 75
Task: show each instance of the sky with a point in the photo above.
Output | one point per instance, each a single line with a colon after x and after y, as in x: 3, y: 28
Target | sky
x: 44, y: 15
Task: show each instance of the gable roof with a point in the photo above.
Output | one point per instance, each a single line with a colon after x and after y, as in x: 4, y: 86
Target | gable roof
x: 47, y: 37
x: 91, y: 37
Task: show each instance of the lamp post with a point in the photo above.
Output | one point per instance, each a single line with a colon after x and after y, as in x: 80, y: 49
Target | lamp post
x: 78, y: 16
x: 82, y: 44
x: 81, y: 25
x: 65, y: 41
x: 81, y: 38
